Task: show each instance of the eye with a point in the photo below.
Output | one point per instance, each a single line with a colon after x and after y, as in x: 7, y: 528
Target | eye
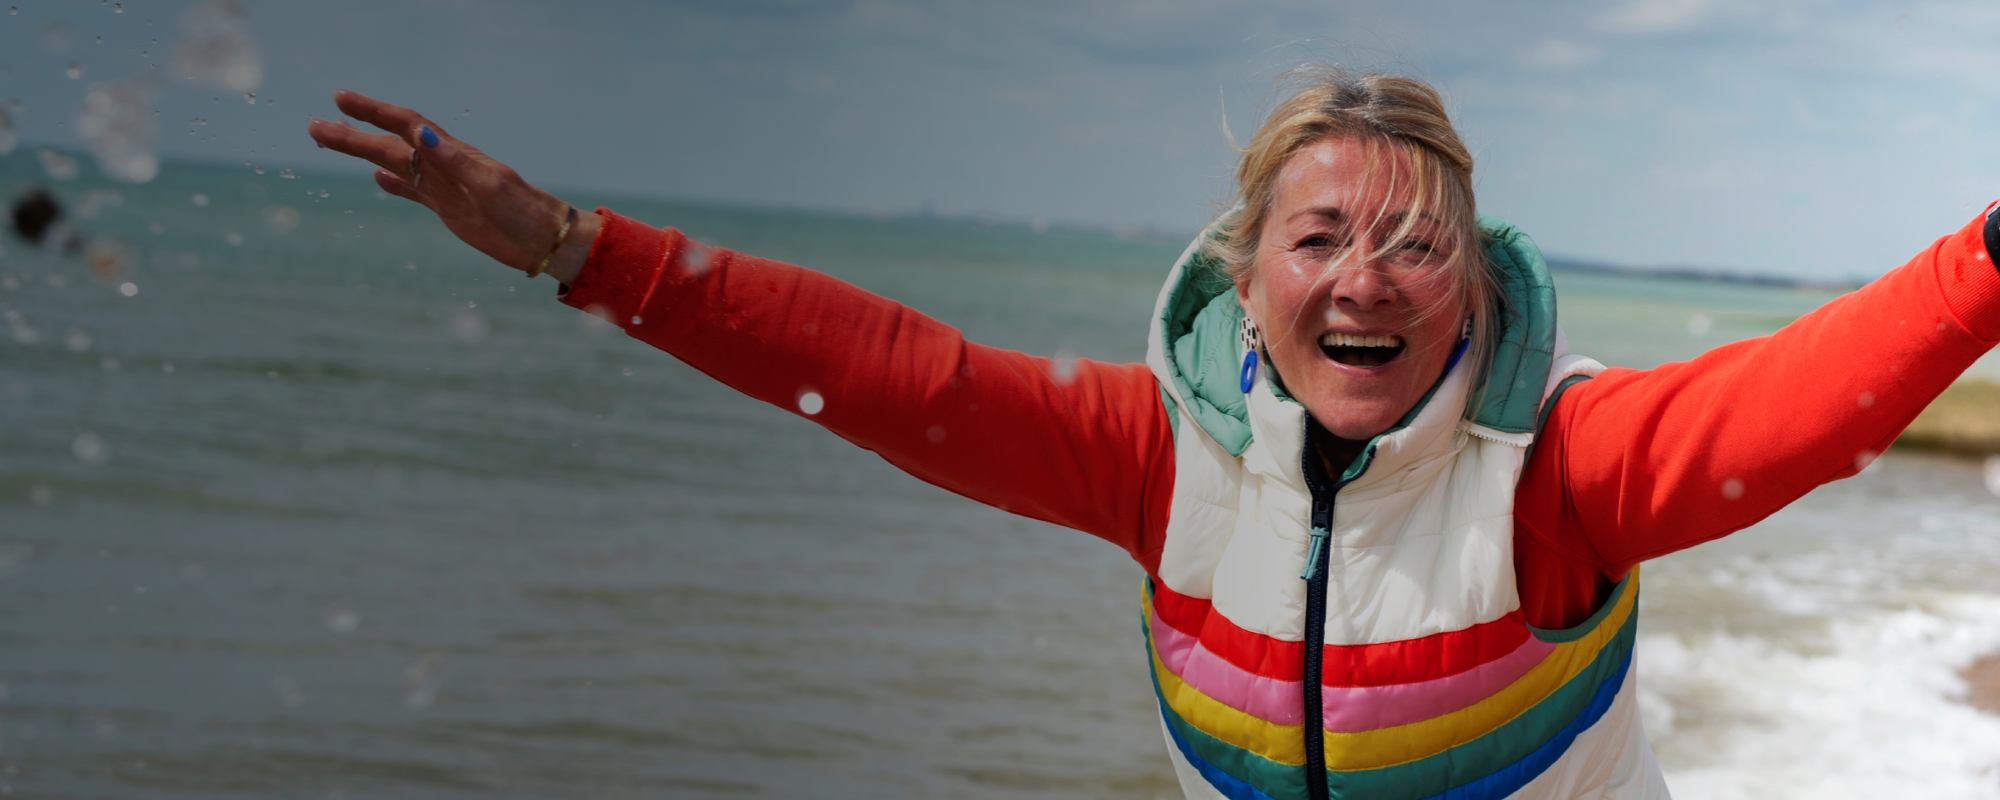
x: 1317, y: 241
x: 1417, y: 246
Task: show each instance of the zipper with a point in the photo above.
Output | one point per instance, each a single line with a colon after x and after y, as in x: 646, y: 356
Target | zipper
x: 1315, y: 578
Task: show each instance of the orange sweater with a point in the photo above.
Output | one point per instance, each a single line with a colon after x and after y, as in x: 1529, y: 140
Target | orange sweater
x: 1630, y: 465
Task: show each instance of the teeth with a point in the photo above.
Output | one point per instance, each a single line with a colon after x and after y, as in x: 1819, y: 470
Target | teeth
x: 1351, y: 340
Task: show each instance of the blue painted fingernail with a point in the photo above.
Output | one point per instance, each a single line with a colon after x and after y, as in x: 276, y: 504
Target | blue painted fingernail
x: 428, y: 136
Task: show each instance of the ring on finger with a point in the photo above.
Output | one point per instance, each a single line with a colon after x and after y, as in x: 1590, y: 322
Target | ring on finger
x: 416, y: 175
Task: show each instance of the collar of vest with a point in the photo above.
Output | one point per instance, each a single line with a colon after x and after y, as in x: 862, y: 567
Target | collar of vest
x: 1194, y: 352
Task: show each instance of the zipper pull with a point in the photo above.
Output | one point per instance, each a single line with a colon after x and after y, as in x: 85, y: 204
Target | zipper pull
x: 1319, y: 535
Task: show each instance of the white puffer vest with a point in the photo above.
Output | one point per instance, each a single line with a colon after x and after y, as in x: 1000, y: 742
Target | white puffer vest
x: 1402, y: 666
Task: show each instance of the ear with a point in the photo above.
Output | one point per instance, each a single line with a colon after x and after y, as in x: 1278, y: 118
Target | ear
x: 1246, y: 295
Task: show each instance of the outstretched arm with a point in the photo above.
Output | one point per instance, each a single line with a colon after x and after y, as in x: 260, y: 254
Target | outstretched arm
x: 1636, y: 464
x: 1084, y: 445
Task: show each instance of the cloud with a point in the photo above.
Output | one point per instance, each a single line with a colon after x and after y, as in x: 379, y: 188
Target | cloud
x: 1653, y: 16
x: 1561, y: 54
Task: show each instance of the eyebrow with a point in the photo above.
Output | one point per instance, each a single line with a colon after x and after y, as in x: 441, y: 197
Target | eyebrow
x: 1335, y: 214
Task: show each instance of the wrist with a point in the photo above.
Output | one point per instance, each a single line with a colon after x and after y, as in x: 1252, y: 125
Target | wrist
x: 566, y: 261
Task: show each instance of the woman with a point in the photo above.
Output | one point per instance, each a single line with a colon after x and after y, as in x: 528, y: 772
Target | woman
x: 1391, y: 528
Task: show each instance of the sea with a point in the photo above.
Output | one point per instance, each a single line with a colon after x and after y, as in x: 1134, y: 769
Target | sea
x: 300, y: 497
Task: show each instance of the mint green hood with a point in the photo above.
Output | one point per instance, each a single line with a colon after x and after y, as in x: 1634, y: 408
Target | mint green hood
x: 1194, y: 352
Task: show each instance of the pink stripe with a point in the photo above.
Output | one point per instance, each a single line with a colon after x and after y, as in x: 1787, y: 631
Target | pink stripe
x: 1365, y: 708
x: 1268, y: 699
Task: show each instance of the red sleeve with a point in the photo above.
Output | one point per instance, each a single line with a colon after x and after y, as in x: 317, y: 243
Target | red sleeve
x: 1637, y: 464
x: 1085, y: 445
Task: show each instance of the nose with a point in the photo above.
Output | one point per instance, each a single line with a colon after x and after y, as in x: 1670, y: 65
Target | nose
x: 1362, y: 286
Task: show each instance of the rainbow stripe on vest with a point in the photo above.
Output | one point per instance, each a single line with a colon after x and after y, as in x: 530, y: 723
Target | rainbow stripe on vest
x: 1471, y: 713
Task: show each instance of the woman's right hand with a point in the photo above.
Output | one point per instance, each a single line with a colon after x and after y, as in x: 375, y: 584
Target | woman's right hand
x: 481, y: 201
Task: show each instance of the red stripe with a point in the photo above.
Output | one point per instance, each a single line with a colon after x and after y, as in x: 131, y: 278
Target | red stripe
x: 1438, y: 655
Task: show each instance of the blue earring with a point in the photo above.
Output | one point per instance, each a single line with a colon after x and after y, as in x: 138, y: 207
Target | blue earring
x: 1252, y: 340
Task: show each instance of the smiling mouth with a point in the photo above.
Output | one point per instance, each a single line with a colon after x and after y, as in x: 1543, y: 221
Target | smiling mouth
x: 1361, y: 351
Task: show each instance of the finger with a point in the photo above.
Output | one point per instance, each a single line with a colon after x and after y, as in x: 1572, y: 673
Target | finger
x: 394, y: 184
x: 381, y: 149
x: 403, y: 122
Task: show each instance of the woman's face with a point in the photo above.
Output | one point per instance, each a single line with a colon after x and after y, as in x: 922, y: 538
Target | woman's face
x: 1359, y: 326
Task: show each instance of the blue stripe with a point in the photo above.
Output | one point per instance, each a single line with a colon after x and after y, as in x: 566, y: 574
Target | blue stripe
x: 1223, y: 782
x: 1509, y: 779
x: 1229, y: 785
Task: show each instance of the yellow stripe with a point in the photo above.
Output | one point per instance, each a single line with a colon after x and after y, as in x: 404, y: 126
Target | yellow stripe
x: 1388, y: 747
x: 1284, y: 744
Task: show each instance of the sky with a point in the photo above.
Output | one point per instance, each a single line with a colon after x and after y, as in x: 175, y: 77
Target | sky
x: 1814, y: 138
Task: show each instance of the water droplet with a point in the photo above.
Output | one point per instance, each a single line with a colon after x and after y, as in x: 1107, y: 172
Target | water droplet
x: 1063, y: 367
x: 697, y: 259
x: 129, y: 289
x: 410, y: 265
x: 218, y: 47
x: 422, y: 680
x: 935, y: 434
x: 250, y: 98
x: 287, y: 174
x: 322, y: 194
x: 259, y: 169
x: 1699, y: 324
x: 199, y: 200
x: 90, y: 448
x: 59, y: 167
x: 22, y: 332
x: 810, y: 403
x: 199, y: 122
x: 117, y: 8
x: 13, y: 10
x: 341, y: 619
x: 40, y: 494
x: 1865, y: 399
x: 289, y: 692
x: 281, y: 219
x: 467, y: 325
x: 1732, y: 489
x: 108, y: 259
x: 77, y: 341
x: 638, y: 320
x: 1865, y: 461
x: 75, y: 71
x: 233, y: 238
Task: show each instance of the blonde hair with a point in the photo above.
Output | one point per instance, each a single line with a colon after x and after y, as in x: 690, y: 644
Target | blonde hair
x: 1390, y: 111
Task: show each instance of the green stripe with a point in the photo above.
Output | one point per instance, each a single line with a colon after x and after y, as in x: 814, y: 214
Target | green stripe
x: 1500, y: 747
x: 1280, y: 781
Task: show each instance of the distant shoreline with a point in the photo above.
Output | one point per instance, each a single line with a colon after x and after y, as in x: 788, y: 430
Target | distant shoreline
x: 1704, y: 275
x: 1965, y: 420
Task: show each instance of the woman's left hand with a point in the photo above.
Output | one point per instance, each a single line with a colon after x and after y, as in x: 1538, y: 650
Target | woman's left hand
x: 482, y: 201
